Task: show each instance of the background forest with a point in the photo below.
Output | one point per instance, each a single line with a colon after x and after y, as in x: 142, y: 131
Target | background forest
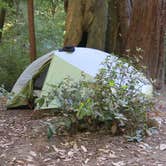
x: 14, y: 47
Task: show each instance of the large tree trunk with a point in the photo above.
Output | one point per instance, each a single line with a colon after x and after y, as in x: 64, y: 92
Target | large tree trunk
x: 86, y: 23
x: 146, y: 31
x: 32, y: 39
x: 118, y: 25
x: 119, y: 17
x: 2, y: 21
x: 97, y: 23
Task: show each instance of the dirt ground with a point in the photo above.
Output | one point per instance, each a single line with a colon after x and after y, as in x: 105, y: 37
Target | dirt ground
x: 23, y: 142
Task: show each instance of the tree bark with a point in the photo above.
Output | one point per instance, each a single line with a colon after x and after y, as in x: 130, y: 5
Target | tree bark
x: 97, y: 23
x: 118, y: 25
x: 86, y: 23
x: 32, y: 39
x: 2, y: 21
x: 119, y: 17
x: 147, y: 32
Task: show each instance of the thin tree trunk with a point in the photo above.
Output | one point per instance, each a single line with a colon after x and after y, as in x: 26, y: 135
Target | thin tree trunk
x: 2, y: 21
x: 32, y: 39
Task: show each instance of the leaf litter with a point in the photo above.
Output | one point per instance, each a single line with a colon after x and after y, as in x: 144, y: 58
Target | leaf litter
x: 23, y: 141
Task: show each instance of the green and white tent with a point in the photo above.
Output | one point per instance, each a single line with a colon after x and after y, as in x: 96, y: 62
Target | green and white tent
x: 53, y: 67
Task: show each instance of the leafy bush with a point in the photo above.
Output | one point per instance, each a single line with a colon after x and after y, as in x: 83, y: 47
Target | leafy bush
x: 114, y: 100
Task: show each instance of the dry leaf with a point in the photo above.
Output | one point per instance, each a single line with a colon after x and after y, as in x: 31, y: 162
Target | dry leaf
x: 112, y: 155
x: 84, y: 148
x: 29, y: 158
x: 32, y: 153
x: 20, y: 161
x: 86, y: 161
x: 55, y: 148
x: 75, y: 146
x: 104, y: 150
x: 145, y: 146
x: 120, y: 163
x: 162, y: 147
x: 65, y: 144
x: 70, y: 153
x: 30, y: 164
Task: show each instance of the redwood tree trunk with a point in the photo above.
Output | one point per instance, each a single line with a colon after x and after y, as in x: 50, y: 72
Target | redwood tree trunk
x: 86, y: 23
x: 118, y: 25
x: 31, y: 28
x: 147, y: 32
x: 119, y: 17
x: 97, y: 23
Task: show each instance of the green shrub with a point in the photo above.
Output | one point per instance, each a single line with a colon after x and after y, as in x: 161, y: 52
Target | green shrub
x: 12, y: 63
x: 108, y: 102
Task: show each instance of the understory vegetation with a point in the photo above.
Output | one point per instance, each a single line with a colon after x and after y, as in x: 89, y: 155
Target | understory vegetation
x: 14, y: 50
x: 113, y: 102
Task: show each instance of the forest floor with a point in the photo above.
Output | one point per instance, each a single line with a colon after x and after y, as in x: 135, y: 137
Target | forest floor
x: 24, y: 142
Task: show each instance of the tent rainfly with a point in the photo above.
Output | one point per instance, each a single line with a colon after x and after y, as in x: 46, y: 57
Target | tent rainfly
x: 53, y: 67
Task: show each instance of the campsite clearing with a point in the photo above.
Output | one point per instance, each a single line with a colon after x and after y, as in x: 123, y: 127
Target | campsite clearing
x: 23, y: 142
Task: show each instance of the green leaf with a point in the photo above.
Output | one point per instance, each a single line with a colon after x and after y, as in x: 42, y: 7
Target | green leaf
x: 120, y: 116
x: 112, y: 83
x: 40, y: 102
x: 50, y: 130
x: 124, y: 87
x: 137, y: 138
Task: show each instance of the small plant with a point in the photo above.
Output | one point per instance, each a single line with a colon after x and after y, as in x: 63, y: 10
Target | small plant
x: 114, y: 99
x: 3, y: 91
x: 3, y: 97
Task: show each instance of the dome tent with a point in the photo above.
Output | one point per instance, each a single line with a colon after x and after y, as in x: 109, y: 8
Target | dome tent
x: 53, y: 67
